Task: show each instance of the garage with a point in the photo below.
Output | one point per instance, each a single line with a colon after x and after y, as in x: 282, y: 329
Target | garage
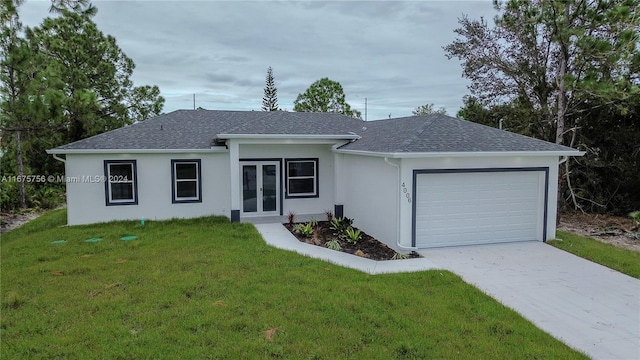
x: 479, y: 206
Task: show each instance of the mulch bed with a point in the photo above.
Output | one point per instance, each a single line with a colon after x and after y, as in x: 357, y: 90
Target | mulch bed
x: 367, y: 247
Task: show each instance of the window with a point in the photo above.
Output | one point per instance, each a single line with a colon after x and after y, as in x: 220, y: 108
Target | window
x: 302, y: 177
x: 121, y: 186
x: 186, y: 186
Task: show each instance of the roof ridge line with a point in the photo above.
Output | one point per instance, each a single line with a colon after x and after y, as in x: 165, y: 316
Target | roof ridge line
x: 243, y: 122
x: 428, y: 122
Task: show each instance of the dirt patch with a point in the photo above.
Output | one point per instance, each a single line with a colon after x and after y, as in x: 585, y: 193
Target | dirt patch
x: 10, y: 221
x: 367, y: 247
x: 619, y: 231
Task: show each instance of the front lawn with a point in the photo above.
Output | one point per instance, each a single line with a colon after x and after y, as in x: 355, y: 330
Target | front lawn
x: 623, y: 260
x: 207, y: 288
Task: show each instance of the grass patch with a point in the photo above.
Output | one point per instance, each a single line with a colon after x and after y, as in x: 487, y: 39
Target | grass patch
x: 623, y: 260
x: 207, y: 288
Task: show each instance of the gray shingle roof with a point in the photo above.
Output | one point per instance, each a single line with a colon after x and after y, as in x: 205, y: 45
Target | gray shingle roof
x: 441, y: 133
x: 297, y: 123
x: 198, y: 129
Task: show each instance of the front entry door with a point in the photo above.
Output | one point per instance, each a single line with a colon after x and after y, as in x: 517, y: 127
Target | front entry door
x: 260, y: 188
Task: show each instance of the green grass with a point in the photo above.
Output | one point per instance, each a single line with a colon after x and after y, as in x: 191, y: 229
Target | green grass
x: 623, y: 260
x: 206, y: 288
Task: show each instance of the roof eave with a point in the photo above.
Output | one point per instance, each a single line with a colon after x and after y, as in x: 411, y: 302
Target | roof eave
x: 409, y: 155
x: 290, y: 136
x: 214, y: 149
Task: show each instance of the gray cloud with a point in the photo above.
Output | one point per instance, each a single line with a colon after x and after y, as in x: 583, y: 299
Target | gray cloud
x: 389, y: 52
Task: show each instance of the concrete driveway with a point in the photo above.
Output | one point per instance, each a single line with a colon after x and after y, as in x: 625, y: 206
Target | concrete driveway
x: 589, y: 307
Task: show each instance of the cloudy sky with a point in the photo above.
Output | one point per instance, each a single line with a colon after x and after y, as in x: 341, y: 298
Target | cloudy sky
x: 387, y: 52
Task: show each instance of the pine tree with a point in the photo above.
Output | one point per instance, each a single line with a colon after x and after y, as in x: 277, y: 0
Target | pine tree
x: 270, y: 98
x: 61, y: 81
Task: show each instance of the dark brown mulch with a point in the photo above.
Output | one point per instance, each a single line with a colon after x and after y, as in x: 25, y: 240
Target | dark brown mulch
x: 368, y: 246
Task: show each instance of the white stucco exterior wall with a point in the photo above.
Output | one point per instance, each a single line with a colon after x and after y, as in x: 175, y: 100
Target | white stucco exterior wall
x: 86, y: 200
x: 370, y: 191
x: 326, y: 177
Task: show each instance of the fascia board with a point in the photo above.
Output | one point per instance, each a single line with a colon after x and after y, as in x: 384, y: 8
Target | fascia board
x: 460, y: 154
x: 288, y: 136
x: 135, y: 151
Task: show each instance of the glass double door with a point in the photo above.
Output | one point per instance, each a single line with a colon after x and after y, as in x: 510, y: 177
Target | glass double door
x: 260, y: 187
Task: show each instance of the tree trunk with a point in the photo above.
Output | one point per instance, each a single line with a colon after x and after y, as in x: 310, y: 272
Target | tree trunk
x: 562, y: 110
x: 23, y: 197
x: 562, y: 101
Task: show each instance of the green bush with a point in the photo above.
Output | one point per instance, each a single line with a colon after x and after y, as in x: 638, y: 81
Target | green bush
x: 341, y: 224
x: 305, y: 229
x: 353, y: 235
x: 47, y: 198
x: 9, y: 196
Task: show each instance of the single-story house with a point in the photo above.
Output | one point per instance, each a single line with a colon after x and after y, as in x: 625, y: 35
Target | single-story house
x: 412, y: 182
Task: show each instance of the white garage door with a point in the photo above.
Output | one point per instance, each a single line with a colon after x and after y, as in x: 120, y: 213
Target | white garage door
x: 464, y: 208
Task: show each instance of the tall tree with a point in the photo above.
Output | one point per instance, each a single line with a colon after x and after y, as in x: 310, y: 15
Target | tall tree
x: 550, y: 53
x: 60, y: 82
x: 12, y: 58
x: 99, y: 94
x: 428, y: 109
x: 270, y: 98
x: 325, y: 95
x: 553, y: 62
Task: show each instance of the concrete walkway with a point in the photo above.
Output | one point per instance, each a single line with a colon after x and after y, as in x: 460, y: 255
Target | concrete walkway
x: 589, y: 307
x: 278, y: 236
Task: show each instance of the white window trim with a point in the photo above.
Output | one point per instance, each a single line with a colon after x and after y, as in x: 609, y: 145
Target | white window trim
x: 110, y: 179
x: 175, y: 198
x: 314, y: 177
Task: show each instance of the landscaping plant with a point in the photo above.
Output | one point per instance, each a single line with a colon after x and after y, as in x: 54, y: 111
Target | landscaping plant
x: 304, y: 229
x: 353, y: 235
x: 341, y: 224
x: 398, y: 256
x: 291, y: 217
x: 329, y: 215
x: 334, y: 245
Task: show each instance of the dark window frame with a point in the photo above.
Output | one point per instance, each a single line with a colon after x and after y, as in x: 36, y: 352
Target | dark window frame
x: 174, y: 181
x: 316, y: 178
x: 109, y: 180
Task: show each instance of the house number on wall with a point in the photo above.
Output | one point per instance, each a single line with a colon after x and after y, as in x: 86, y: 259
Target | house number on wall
x: 406, y: 193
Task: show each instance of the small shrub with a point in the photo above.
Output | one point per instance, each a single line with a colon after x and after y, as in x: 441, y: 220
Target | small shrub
x: 334, y: 245
x: 9, y: 196
x: 313, y: 222
x: 398, y: 256
x: 317, y: 234
x: 353, y: 235
x: 47, y: 198
x: 329, y: 215
x: 291, y: 217
x: 636, y: 217
x: 305, y: 229
x: 340, y: 225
